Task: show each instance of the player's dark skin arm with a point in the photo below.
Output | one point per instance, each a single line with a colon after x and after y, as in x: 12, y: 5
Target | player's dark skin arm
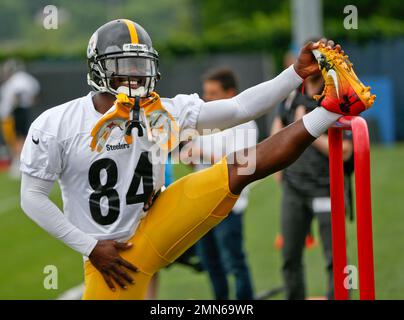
x: 273, y: 154
x: 282, y: 149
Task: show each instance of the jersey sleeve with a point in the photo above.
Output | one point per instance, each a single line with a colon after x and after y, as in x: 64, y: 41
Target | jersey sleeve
x: 41, y: 155
x: 185, y: 109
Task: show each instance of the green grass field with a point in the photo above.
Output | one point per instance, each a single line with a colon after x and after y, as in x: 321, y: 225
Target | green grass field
x: 26, y: 249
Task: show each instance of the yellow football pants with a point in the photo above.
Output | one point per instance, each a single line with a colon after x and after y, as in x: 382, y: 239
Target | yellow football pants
x: 8, y: 130
x: 180, y: 216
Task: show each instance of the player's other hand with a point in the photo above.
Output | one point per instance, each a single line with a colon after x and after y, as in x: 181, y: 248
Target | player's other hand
x: 306, y: 64
x: 105, y: 257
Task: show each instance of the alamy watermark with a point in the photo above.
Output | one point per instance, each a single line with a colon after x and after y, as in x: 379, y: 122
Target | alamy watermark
x: 351, y: 280
x: 51, y: 17
x: 50, y: 282
x: 351, y: 20
x: 237, y: 145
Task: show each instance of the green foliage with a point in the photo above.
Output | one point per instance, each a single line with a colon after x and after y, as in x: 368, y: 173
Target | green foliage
x: 374, y: 28
x: 214, y: 13
x: 22, y: 32
x: 261, y: 32
x: 366, y: 8
x: 266, y: 25
x: 180, y: 27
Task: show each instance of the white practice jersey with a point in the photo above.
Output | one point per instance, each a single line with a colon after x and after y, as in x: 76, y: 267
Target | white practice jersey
x: 103, y: 193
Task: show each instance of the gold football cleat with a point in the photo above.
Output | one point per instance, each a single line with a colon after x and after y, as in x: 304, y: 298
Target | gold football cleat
x: 343, y: 93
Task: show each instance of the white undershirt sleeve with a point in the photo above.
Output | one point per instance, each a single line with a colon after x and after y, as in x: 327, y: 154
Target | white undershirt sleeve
x: 37, y: 205
x: 249, y: 104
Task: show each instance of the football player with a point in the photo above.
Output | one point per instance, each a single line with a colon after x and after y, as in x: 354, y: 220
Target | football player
x: 114, y: 212
x: 18, y: 94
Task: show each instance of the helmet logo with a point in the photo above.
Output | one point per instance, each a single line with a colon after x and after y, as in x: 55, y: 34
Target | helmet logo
x: 134, y: 47
x: 92, y: 44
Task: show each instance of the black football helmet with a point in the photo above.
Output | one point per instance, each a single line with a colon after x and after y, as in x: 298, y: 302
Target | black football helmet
x: 121, y: 59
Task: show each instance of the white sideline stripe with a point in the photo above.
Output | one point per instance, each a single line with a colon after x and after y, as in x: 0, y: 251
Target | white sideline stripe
x: 8, y: 204
x: 74, y: 293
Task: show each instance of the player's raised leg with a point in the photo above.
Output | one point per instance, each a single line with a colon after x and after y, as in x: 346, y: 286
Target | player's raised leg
x: 180, y: 216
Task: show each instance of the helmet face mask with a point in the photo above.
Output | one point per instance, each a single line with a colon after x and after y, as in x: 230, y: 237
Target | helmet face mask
x: 121, y: 67
x: 130, y: 74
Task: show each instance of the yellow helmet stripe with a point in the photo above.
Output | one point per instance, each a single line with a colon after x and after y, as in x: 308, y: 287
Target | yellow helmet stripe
x: 132, y: 31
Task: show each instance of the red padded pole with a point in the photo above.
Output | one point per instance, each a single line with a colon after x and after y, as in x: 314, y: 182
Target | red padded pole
x: 337, y: 212
x: 363, y: 208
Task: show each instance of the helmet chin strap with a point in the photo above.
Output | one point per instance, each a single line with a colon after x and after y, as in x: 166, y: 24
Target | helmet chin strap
x: 134, y: 120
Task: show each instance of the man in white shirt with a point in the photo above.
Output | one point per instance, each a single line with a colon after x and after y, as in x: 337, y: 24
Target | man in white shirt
x: 107, y: 195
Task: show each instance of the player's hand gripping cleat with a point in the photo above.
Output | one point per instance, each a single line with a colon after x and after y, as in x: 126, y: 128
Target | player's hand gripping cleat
x: 343, y: 92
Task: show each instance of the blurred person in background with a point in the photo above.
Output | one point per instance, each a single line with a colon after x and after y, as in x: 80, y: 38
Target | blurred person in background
x: 305, y: 192
x: 18, y: 93
x: 221, y: 249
